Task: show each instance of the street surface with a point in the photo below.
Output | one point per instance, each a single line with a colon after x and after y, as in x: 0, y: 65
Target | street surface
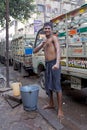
x: 75, y: 109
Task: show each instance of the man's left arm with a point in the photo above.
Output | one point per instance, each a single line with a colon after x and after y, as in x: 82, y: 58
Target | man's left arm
x: 57, y: 46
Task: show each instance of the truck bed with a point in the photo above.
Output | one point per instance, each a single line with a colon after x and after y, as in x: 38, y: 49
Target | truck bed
x: 78, y: 72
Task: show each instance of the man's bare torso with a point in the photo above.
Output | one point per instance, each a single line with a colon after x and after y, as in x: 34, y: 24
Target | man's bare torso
x: 49, y: 49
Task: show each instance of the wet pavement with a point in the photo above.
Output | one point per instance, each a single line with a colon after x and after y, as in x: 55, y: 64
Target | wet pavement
x: 18, y: 119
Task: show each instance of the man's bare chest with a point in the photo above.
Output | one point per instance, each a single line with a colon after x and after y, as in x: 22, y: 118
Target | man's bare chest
x: 49, y: 43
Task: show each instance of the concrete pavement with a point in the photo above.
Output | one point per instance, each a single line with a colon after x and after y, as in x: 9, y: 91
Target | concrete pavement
x: 18, y: 118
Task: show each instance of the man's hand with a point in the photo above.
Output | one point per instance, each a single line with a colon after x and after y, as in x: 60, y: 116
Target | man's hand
x: 55, y: 67
x: 41, y: 45
x: 44, y: 42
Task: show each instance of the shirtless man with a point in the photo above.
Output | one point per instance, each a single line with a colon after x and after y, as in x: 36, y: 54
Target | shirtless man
x: 53, y: 70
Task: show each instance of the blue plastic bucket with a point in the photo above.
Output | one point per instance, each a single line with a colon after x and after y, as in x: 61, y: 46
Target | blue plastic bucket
x: 29, y: 95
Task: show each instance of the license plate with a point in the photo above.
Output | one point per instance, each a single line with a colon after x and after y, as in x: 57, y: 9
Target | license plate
x: 76, y: 83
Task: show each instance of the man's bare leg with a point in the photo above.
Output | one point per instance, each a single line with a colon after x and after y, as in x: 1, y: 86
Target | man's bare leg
x: 50, y: 105
x: 59, y: 100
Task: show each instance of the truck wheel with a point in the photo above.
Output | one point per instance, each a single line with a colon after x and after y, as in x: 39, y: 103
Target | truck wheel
x: 42, y: 80
x: 10, y: 62
x: 15, y: 66
x: 24, y: 73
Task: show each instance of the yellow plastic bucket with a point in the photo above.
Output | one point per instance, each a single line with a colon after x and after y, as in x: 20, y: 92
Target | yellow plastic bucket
x: 16, y: 88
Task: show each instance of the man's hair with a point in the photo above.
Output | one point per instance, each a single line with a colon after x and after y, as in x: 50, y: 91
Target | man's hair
x: 48, y: 24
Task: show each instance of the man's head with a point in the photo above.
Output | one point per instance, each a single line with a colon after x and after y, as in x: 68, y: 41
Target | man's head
x: 48, y: 24
x: 48, y: 28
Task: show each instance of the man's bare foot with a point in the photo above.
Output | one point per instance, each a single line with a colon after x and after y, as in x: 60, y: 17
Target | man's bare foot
x: 60, y: 116
x: 48, y: 106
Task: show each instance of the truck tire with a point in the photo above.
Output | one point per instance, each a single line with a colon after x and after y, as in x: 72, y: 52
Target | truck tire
x: 24, y: 73
x: 10, y: 62
x: 42, y: 79
x: 15, y: 66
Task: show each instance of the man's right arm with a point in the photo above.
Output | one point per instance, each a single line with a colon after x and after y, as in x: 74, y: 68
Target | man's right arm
x: 38, y: 48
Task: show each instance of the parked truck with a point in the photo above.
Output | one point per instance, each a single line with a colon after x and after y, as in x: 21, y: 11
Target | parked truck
x: 71, y: 30
x: 22, y: 45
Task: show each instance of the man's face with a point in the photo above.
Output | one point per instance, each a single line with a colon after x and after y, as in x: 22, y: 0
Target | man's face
x: 48, y: 30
